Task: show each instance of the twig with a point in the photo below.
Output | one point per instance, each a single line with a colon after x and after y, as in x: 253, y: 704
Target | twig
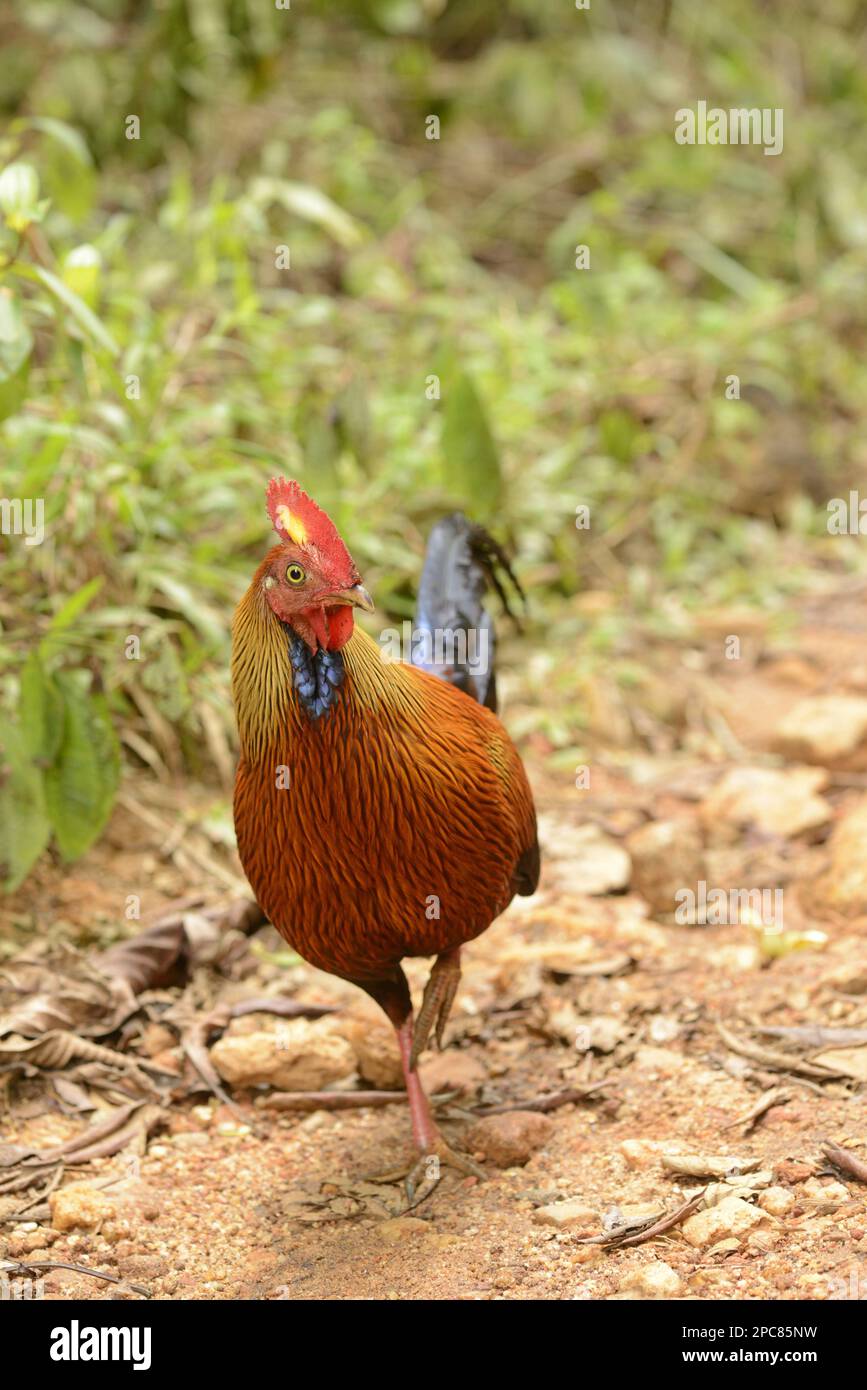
x: 845, y: 1160
x: 819, y: 1037
x: 777, y: 1095
x: 665, y: 1223
x: 28, y: 1268
x: 330, y: 1100
x: 777, y: 1061
x: 196, y: 1052
x: 544, y: 1103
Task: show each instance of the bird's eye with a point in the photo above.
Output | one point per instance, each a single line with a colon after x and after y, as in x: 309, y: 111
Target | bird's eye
x: 295, y: 574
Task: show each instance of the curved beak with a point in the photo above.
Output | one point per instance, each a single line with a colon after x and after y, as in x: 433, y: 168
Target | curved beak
x: 357, y: 597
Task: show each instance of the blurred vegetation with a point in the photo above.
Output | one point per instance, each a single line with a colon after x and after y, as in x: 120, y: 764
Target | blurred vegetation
x: 282, y: 272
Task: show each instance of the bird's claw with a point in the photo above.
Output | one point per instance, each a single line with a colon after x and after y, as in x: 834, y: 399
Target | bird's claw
x: 436, y: 1004
x: 429, y: 1166
x: 424, y: 1173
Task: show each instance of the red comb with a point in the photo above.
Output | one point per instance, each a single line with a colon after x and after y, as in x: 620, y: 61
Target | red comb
x: 312, y: 526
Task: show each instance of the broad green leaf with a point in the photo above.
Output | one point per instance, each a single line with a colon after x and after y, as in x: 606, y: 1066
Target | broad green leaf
x: 16, y: 340
x: 13, y: 391
x: 311, y: 204
x: 24, y: 825
x: 19, y: 196
x: 84, y: 317
x: 67, y: 614
x: 40, y: 712
x: 200, y: 615
x: 64, y: 134
x: 81, y: 272
x: 470, y: 459
x: 81, y: 786
x: 16, y: 343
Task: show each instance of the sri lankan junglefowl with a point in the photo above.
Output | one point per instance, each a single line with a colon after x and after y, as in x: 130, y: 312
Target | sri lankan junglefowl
x: 381, y: 808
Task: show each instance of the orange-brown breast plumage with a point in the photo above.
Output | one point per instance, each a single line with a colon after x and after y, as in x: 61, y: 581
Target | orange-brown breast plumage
x: 406, y: 813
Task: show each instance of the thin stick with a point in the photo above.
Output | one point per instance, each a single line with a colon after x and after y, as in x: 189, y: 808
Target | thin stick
x: 25, y: 1269
x: 543, y: 1103
x: 845, y: 1160
x: 658, y: 1228
x: 331, y: 1100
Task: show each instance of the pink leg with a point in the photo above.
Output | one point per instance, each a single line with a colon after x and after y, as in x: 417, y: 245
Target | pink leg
x: 428, y: 1140
x: 424, y: 1131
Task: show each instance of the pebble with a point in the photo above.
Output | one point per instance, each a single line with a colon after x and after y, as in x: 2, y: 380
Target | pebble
x: 376, y: 1052
x: 826, y: 1191
x: 824, y: 728
x: 641, y: 1153
x: 399, y: 1228
x: 452, y: 1071
x: 666, y: 855
x: 510, y: 1140
x: 298, y: 1056
x: 573, y: 1212
x: 776, y: 1201
x: 655, y: 1280
x: 79, y: 1205
x: 731, y: 1217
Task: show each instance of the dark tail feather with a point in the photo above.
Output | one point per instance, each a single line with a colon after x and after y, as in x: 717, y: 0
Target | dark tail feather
x: 456, y: 634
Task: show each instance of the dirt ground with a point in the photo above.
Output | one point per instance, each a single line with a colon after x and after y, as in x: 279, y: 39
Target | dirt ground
x: 591, y: 986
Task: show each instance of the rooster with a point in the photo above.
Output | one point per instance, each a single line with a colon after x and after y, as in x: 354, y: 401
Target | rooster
x: 381, y: 808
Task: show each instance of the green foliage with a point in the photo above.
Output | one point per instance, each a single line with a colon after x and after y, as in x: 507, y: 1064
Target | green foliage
x: 59, y: 769
x: 158, y: 362
x: 472, y: 463
x: 82, y: 779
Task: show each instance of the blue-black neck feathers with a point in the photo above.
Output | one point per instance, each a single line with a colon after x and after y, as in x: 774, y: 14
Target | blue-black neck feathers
x: 317, y: 678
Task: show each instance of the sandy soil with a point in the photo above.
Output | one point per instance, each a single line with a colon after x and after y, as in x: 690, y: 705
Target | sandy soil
x: 566, y: 990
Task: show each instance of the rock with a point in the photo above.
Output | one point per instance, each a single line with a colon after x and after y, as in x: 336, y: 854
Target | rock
x: 762, y: 1240
x: 849, y: 978
x: 79, y: 1205
x: 400, y: 1228
x: 25, y: 1243
x: 656, y: 1280
x: 297, y: 1056
x: 600, y: 1033
x: 851, y: 1061
x: 844, y: 885
x: 729, y: 1218
x: 826, y: 1191
x: 565, y: 1215
x: 633, y: 1212
x: 666, y: 856
x: 724, y: 1247
x: 641, y: 1153
x: 596, y: 863
x: 825, y: 729
x: 793, y: 1170
x: 777, y: 802
x: 510, y: 1140
x: 192, y: 1140
x: 660, y: 1061
x: 376, y: 1052
x: 452, y: 1070
x: 747, y: 1186
x: 709, y: 1165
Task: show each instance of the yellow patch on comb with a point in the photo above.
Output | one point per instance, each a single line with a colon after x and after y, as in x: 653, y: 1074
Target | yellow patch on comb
x: 292, y: 525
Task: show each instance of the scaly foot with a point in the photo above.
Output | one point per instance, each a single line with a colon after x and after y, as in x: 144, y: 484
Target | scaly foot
x: 439, y: 995
x: 428, y: 1169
